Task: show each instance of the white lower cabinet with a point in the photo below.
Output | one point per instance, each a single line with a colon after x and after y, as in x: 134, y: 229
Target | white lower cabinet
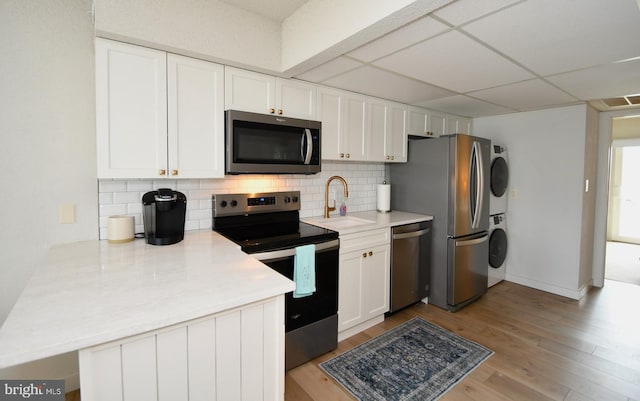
x: 235, y: 355
x: 363, y: 283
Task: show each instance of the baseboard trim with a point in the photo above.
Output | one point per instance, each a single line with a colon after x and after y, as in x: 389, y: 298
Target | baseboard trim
x: 576, y: 294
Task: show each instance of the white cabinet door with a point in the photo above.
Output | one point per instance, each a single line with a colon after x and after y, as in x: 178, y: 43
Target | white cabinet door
x: 458, y: 125
x: 379, y: 140
x: 388, y: 133
x: 350, y: 290
x: 195, y: 118
x: 375, y: 280
x: 364, y: 277
x: 249, y: 91
x: 418, y: 122
x: 438, y: 123
x: 330, y: 113
x: 131, y: 111
x: 295, y: 99
x: 396, y: 140
x: 356, y: 127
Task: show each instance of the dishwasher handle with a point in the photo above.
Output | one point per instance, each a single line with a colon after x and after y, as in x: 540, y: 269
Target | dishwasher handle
x: 412, y: 234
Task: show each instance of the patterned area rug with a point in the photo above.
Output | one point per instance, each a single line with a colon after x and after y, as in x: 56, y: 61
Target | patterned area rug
x: 414, y: 361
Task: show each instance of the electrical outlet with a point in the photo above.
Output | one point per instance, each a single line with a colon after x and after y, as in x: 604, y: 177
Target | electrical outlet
x: 67, y: 213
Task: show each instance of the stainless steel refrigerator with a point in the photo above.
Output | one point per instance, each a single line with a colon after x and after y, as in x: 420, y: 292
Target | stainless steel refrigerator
x: 448, y: 178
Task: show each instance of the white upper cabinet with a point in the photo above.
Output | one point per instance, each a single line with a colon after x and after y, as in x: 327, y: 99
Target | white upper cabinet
x: 345, y: 125
x: 458, y: 125
x: 418, y: 123
x: 195, y: 117
x: 330, y: 113
x: 261, y: 93
x: 438, y: 123
x: 249, y: 91
x: 426, y: 123
x: 396, y: 142
x: 388, y: 122
x: 295, y: 99
x: 158, y: 115
x: 131, y: 111
x: 355, y: 128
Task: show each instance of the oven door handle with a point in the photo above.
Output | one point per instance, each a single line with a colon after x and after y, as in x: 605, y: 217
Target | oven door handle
x: 284, y: 253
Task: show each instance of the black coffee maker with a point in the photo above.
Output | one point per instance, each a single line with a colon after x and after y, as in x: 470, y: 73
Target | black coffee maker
x: 163, y: 215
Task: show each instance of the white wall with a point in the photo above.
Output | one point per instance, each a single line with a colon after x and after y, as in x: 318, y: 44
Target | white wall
x: 47, y: 136
x: 211, y: 29
x: 546, y: 151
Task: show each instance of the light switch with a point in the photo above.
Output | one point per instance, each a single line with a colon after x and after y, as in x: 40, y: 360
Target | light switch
x: 67, y: 213
x: 514, y: 193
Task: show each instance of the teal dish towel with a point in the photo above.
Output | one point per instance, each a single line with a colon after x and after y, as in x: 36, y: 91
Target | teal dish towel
x: 304, y: 271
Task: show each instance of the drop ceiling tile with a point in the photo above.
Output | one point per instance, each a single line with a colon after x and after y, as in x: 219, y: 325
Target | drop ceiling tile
x: 375, y: 82
x: 462, y: 11
x: 465, y: 106
x: 525, y: 95
x: 414, y: 32
x: 550, y: 36
x: 618, y: 79
x: 456, y: 62
x: 329, y: 69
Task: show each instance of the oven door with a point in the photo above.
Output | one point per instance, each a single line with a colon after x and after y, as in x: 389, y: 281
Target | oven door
x: 323, y: 303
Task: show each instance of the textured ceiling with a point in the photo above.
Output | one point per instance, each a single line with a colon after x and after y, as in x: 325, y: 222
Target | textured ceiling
x: 477, y: 58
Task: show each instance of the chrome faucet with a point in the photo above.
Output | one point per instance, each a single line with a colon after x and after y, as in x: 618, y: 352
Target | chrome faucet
x: 328, y: 208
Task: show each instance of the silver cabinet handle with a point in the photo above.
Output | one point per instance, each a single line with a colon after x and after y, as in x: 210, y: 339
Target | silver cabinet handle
x: 411, y: 234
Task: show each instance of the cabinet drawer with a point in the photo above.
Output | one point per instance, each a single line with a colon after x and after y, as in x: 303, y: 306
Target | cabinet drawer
x: 357, y: 241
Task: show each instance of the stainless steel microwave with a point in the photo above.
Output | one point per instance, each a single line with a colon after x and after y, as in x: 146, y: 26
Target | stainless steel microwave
x: 269, y: 144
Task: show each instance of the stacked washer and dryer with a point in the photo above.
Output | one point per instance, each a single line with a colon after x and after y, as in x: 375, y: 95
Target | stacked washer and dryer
x: 497, y: 211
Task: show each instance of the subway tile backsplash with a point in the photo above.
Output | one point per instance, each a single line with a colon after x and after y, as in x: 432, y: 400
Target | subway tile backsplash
x: 124, y: 196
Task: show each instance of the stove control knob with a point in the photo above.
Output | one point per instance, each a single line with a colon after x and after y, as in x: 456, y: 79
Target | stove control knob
x: 223, y: 203
x: 287, y: 199
x: 234, y: 203
x: 295, y: 199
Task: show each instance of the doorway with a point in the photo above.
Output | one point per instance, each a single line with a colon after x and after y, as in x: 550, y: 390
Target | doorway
x: 622, y: 261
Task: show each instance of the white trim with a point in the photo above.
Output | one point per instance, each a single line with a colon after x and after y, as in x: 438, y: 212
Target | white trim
x: 602, y: 191
x: 565, y: 292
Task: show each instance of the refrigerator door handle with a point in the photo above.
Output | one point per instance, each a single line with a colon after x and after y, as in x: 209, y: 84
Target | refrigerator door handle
x: 474, y: 241
x: 476, y: 167
x: 480, y: 189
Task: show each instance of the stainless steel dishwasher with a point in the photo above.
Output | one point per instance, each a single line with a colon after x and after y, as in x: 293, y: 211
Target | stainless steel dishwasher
x: 410, y: 264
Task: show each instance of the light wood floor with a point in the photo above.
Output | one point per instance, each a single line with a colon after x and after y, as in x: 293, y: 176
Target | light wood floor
x: 546, y: 347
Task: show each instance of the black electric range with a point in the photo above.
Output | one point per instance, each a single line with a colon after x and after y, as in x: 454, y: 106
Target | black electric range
x: 268, y: 226
x: 265, y: 221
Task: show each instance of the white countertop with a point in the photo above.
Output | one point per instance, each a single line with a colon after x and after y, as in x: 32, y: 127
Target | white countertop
x: 92, y: 292
x: 377, y: 220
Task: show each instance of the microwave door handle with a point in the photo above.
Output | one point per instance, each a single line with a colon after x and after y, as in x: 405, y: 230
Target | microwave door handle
x: 309, y: 153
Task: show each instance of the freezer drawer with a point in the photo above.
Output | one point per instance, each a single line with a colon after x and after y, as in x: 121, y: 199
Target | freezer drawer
x: 467, y: 269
